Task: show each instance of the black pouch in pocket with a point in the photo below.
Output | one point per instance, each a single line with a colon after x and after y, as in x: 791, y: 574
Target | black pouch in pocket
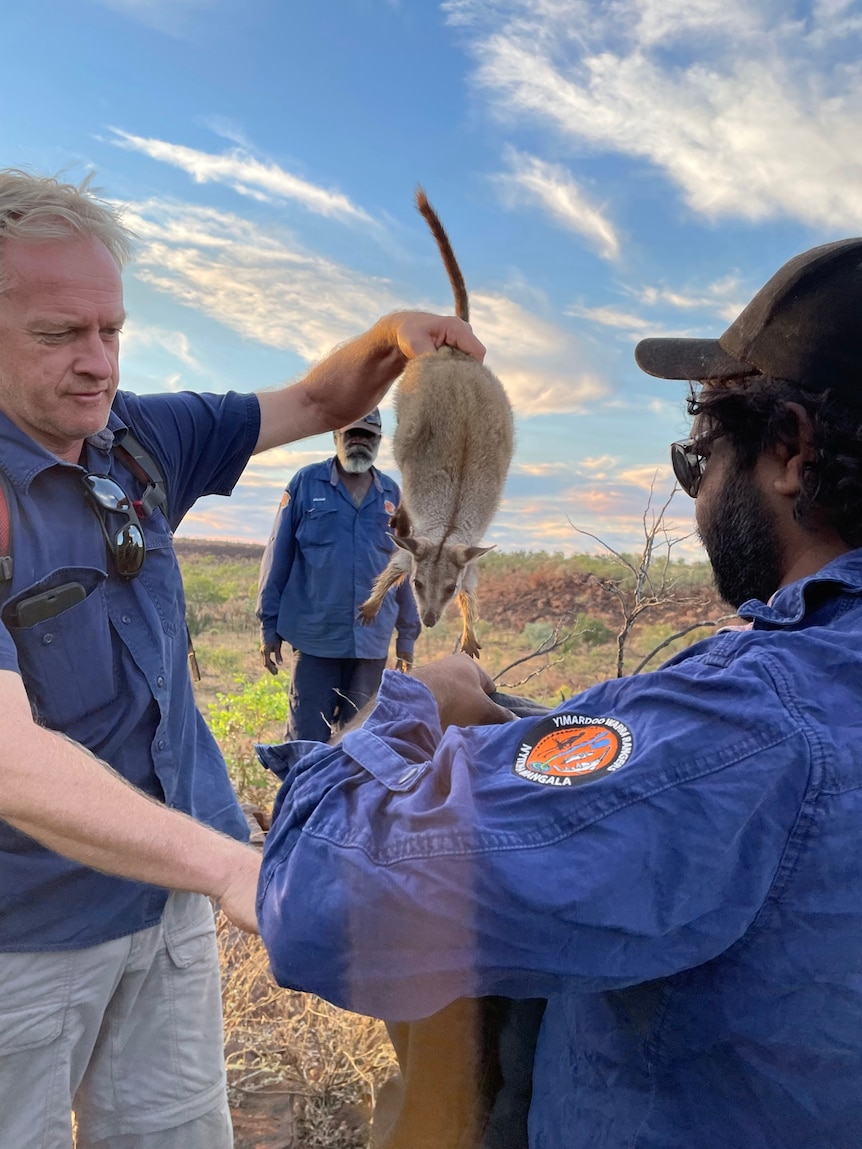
x: 65, y: 653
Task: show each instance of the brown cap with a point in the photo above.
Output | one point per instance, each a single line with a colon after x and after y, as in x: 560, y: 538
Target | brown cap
x: 370, y: 422
x: 804, y: 325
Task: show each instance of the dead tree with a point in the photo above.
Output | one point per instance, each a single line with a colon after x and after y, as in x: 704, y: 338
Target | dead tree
x: 647, y: 581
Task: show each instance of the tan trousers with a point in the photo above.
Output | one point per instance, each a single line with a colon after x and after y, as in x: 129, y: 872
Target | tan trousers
x: 127, y: 1033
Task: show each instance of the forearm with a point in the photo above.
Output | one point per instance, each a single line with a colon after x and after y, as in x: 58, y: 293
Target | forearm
x: 344, y: 386
x: 355, y: 377
x: 61, y: 795
x: 92, y: 815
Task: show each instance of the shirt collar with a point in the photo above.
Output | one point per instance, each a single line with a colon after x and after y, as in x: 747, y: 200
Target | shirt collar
x: 22, y: 458
x: 789, y: 604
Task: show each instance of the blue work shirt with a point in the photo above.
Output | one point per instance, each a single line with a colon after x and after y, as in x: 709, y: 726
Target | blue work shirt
x: 321, y: 562
x: 112, y: 671
x: 672, y: 859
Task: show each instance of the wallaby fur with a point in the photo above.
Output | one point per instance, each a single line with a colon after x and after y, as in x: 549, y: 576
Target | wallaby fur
x: 453, y: 445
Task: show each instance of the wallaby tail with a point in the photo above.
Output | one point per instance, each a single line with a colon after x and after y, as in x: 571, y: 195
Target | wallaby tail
x: 462, y: 303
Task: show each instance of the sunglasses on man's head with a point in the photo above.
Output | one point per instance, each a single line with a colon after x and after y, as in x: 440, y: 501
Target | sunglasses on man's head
x: 689, y: 463
x: 126, y: 541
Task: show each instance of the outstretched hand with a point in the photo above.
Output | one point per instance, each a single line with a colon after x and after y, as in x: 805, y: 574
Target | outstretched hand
x: 461, y: 688
x: 238, y: 897
x: 418, y: 332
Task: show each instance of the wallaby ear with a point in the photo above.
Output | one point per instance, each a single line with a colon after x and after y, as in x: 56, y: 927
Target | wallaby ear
x: 464, y: 554
x: 416, y: 546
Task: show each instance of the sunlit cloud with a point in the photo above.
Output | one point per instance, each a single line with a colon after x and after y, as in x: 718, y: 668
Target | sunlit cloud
x: 598, y: 464
x: 748, y: 110
x: 544, y: 368
x: 263, y: 284
x: 541, y: 469
x: 576, y: 517
x: 137, y: 337
x: 244, y: 173
x: 649, y: 478
x: 551, y: 187
x: 259, y: 282
x: 724, y: 298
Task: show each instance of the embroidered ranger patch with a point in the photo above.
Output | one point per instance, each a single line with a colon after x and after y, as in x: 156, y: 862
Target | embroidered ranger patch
x: 389, y: 508
x: 568, y: 749
x: 285, y: 499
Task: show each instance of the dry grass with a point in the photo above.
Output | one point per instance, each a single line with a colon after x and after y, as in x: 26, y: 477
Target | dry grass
x: 328, y: 1063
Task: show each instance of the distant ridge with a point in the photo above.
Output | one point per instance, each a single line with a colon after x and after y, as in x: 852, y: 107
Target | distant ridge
x: 221, y: 549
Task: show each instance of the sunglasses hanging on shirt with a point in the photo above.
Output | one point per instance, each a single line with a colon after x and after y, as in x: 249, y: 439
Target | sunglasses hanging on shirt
x: 125, y: 539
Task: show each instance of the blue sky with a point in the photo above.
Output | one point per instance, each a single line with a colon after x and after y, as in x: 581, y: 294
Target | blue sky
x: 606, y: 169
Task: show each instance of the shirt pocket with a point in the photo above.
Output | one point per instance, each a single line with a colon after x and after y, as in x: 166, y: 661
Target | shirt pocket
x: 66, y: 661
x: 319, y: 541
x: 318, y: 527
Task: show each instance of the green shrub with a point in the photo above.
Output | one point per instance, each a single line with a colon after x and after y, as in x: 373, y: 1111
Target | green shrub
x: 256, y: 712
x: 594, y: 631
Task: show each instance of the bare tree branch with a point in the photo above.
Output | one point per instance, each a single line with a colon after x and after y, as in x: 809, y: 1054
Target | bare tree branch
x: 653, y: 584
x: 553, y: 642
x: 533, y: 674
x: 680, y: 634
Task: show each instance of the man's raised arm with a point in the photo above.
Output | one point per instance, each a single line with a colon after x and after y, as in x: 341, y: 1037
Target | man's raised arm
x: 355, y: 377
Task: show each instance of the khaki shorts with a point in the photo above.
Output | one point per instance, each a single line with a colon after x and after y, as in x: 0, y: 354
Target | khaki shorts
x: 128, y: 1034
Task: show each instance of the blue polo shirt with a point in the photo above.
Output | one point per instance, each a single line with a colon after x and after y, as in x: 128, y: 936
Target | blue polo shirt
x: 112, y: 671
x: 321, y: 562
x: 672, y: 859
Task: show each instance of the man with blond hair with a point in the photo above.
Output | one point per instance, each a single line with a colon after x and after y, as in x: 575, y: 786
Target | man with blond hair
x: 109, y: 985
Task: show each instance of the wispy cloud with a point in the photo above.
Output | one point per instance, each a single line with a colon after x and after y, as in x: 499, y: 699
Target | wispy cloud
x: 750, y: 110
x: 137, y: 336
x: 543, y: 470
x: 552, y: 187
x: 543, y: 367
x: 724, y: 298
x: 246, y: 174
x: 263, y: 284
x: 598, y: 464
x: 550, y: 520
x: 259, y: 282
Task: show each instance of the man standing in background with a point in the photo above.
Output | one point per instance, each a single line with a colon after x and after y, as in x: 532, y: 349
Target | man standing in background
x: 329, y: 543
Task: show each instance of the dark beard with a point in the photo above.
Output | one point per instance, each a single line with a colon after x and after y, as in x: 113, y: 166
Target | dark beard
x: 741, y: 542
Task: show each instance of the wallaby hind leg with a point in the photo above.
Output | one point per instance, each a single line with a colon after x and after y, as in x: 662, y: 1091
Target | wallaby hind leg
x: 391, y: 576
x: 469, y: 607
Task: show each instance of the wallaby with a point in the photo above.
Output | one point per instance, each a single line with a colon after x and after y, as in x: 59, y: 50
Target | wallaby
x: 453, y: 445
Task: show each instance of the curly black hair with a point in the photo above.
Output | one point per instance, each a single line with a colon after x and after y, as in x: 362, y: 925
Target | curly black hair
x: 754, y: 414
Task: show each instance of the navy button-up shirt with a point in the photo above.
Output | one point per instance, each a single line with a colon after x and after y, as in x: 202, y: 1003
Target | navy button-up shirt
x: 321, y: 562
x: 111, y: 672
x: 672, y: 859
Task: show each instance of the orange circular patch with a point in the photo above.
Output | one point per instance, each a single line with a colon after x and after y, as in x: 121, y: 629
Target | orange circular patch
x: 577, y: 751
x: 567, y: 749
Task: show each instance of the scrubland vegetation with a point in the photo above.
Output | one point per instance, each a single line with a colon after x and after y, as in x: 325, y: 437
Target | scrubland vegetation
x: 300, y: 1071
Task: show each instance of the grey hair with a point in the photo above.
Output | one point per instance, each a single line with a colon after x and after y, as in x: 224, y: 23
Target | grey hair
x: 41, y: 208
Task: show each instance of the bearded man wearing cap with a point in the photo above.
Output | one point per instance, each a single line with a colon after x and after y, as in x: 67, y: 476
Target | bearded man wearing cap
x: 330, y: 541
x: 671, y: 859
